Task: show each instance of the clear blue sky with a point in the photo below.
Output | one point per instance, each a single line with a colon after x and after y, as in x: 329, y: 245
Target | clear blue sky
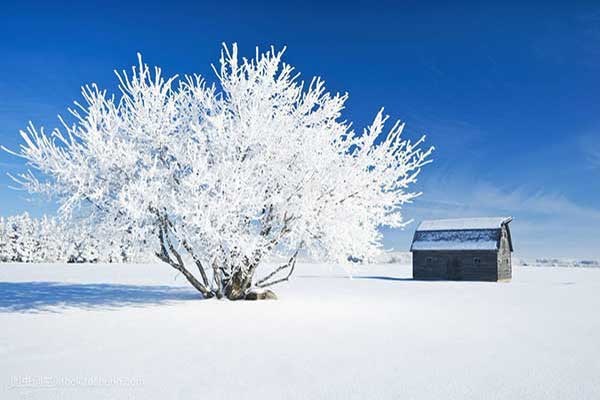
x: 507, y: 92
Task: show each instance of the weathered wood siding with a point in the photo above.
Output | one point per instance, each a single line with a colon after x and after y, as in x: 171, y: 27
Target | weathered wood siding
x: 456, y: 265
x: 504, y: 259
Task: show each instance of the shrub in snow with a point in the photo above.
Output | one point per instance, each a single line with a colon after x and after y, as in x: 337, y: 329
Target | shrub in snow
x: 227, y: 175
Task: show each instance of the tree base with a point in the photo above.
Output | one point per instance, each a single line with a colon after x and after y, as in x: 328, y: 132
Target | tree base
x: 261, y: 295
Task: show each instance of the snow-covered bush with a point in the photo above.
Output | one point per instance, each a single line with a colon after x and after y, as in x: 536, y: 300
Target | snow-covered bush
x: 227, y: 175
x: 31, y: 240
x: 19, y: 239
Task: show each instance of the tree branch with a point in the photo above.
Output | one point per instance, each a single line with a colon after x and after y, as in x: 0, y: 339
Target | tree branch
x: 291, y: 263
x: 165, y: 255
x: 189, y: 249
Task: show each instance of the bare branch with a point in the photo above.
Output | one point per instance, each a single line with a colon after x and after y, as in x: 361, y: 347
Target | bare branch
x: 189, y: 249
x: 290, y: 264
x: 165, y: 243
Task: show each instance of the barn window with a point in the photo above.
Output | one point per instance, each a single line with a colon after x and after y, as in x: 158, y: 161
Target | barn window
x: 476, y: 260
x: 429, y: 260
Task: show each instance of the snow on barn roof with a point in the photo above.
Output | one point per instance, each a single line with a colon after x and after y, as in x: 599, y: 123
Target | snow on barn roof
x: 459, y: 234
x: 463, y: 224
x: 481, y: 239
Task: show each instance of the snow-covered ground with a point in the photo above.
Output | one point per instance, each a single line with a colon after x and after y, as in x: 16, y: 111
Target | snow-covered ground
x: 405, y: 257
x: 135, y: 332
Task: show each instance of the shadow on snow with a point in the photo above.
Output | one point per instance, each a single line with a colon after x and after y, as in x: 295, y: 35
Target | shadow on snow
x: 384, y: 278
x: 351, y: 277
x: 41, y: 296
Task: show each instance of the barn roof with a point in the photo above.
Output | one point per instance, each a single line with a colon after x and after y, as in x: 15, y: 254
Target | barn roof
x: 460, y: 234
x: 463, y: 223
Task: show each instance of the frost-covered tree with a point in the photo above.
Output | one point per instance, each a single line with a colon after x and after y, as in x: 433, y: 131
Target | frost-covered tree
x: 3, y: 241
x: 20, y: 239
x: 25, y: 242
x: 8, y: 240
x: 226, y: 175
x: 47, y: 236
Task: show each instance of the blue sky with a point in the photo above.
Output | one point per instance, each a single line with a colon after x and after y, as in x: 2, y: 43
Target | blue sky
x: 507, y: 92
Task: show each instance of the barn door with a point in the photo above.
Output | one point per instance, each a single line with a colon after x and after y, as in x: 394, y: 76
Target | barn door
x: 454, y: 269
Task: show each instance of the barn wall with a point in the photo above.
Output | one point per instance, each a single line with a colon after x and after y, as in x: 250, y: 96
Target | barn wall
x: 504, y: 258
x: 455, y: 265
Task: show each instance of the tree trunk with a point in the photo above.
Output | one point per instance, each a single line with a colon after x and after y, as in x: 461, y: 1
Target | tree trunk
x: 238, y: 286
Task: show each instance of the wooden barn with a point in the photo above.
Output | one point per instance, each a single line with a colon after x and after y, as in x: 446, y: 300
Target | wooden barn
x: 470, y: 249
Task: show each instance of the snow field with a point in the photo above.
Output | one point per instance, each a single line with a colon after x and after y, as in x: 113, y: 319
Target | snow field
x: 139, y: 333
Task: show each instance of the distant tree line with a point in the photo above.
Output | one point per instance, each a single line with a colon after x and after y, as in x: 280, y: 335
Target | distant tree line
x: 37, y: 240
